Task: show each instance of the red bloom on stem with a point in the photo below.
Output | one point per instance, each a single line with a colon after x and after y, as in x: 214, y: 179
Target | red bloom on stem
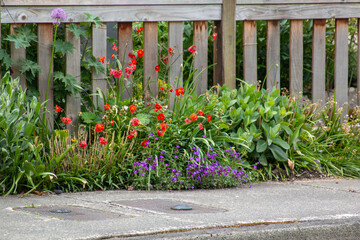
x: 187, y: 120
x: 58, y: 109
x: 132, y: 108
x: 114, y: 47
x: 134, y: 122
x: 214, y: 36
x: 102, y: 59
x: 201, y: 113
x: 66, y: 120
x: 166, y: 60
x: 99, y: 127
x: 201, y: 126
x: 160, y: 117
x: 103, y: 141
x: 179, y: 91
x: 82, y: 144
x: 144, y: 143
x: 171, y: 51
x: 208, y: 118
x: 117, y: 73
x: 131, y: 55
x: 113, y: 122
x: 133, y: 62
x: 157, y: 107
x: 140, y: 53
x: 157, y: 68
x: 139, y: 30
x: 161, y: 88
x: 160, y: 133
x: 171, y: 90
x: 112, y: 55
x: 192, y: 49
x: 193, y: 116
x: 107, y: 106
x: 164, y: 126
x: 132, y: 134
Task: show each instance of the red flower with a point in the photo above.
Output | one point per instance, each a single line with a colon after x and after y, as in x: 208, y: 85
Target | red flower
x: 99, y: 127
x: 208, y: 118
x: 114, y: 47
x: 132, y: 134
x: 214, y: 36
x: 107, y: 106
x: 102, y: 59
x: 139, y: 30
x: 132, y: 108
x: 171, y: 90
x: 157, y: 107
x: 164, y: 126
x: 58, y: 109
x: 112, y: 122
x: 201, y: 113
x: 131, y: 55
x: 133, y: 62
x: 157, y: 68
x: 171, y: 51
x: 192, y: 49
x: 160, y: 133
x: 193, y: 116
x: 144, y: 143
x: 187, y: 120
x: 103, y: 141
x: 161, y: 88
x: 82, y: 144
x: 201, y: 126
x: 140, y: 53
x: 66, y: 120
x: 134, y: 122
x: 179, y: 91
x: 117, y: 73
x: 166, y: 60
x: 160, y: 117
x: 112, y: 55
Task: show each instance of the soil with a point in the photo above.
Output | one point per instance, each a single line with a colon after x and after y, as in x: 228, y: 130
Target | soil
x: 306, y: 174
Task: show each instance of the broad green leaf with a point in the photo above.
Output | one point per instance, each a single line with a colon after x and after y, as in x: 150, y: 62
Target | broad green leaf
x: 63, y: 47
x: 281, y: 143
x: 5, y: 59
x: 88, y: 117
x: 78, y: 31
x: 71, y: 83
x: 261, y: 146
x: 278, y: 153
x: 143, y: 118
x: 28, y: 65
x: 263, y: 161
x: 93, y: 62
x: 93, y: 19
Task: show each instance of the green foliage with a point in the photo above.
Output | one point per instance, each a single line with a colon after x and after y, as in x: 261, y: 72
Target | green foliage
x: 29, y: 66
x: 63, y: 47
x: 70, y: 83
x: 24, y: 36
x: 77, y: 30
x: 5, y: 58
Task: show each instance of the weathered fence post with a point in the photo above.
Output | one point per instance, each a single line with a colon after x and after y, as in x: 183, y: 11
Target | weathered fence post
x: 125, y: 45
x: 73, y: 67
x: 150, y: 83
x: 273, y: 54
x: 98, y: 50
x: 17, y: 55
x: 45, y: 39
x: 250, y: 52
x: 358, y: 64
x: 200, y: 40
x: 296, y: 57
x: 176, y: 30
x: 218, y: 77
x: 318, y: 61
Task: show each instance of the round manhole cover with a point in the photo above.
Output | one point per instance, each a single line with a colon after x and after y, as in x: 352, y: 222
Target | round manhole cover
x: 60, y: 211
x: 181, y: 207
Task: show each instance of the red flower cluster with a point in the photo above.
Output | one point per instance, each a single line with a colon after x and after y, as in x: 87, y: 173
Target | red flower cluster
x: 201, y: 113
x: 157, y: 107
x: 179, y: 91
x: 208, y: 118
x: 144, y: 143
x: 171, y: 51
x: 160, y: 133
x: 139, y: 30
x: 192, y: 49
x: 160, y: 117
x: 115, y: 73
x: 107, y: 107
x: 99, y: 127
x: 166, y: 60
x: 132, y: 134
x: 103, y: 141
x: 131, y: 55
x: 82, y: 144
x: 58, y: 109
x: 66, y: 120
x: 164, y: 126
x: 132, y: 108
x: 157, y: 68
x: 114, y: 47
x: 102, y: 59
x: 193, y: 116
x: 140, y: 53
x: 134, y: 122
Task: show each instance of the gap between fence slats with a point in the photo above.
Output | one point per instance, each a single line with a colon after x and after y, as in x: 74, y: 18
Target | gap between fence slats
x: 200, y: 40
x: 99, y: 81
x: 250, y: 52
x: 341, y: 61
x: 73, y: 67
x: 296, y: 57
x: 125, y: 45
x: 150, y: 83
x: 358, y: 64
x: 318, y: 61
x: 45, y: 39
x: 17, y: 55
x: 228, y: 40
x: 273, y: 54
x: 176, y: 30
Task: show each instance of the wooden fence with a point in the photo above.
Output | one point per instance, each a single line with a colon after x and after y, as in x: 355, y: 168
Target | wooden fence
x: 225, y: 13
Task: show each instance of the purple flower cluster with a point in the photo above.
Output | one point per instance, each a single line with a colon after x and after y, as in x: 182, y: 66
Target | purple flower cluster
x: 58, y: 14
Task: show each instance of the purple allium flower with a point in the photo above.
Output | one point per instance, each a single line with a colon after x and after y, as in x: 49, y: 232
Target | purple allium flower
x: 58, y: 14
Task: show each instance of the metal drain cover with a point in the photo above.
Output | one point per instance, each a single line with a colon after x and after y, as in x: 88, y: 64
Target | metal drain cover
x: 167, y: 206
x: 75, y: 213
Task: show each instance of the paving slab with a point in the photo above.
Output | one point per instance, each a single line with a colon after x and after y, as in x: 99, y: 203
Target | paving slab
x: 261, y: 209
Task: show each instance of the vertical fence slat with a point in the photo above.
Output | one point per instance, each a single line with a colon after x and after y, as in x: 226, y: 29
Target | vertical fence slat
x: 228, y: 40
x: 125, y: 45
x: 45, y: 39
x: 175, y: 42
x: 341, y: 61
x: 17, y: 55
x: 296, y: 57
x: 273, y: 54
x: 200, y: 40
x: 73, y: 67
x: 99, y: 49
x: 150, y: 83
x: 0, y: 48
x: 250, y: 52
x: 318, y: 61
x: 358, y: 65
x: 217, y: 56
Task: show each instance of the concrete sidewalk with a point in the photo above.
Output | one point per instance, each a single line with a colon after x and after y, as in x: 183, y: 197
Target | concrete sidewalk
x: 314, y: 209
